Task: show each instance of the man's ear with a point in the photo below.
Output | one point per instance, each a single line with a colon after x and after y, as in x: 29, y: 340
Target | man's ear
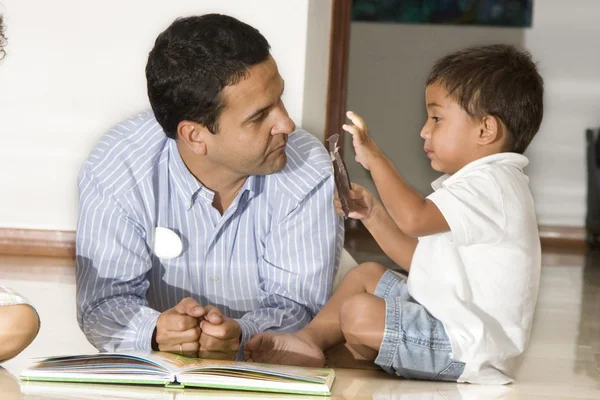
x: 490, y: 130
x: 194, y: 136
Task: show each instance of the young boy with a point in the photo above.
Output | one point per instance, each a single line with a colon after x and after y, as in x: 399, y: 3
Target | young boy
x: 472, y: 247
x: 19, y: 322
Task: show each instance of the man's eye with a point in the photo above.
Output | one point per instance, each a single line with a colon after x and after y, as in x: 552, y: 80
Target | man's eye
x: 260, y: 117
x: 436, y: 119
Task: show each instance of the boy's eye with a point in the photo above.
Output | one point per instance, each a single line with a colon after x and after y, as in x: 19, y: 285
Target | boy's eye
x: 436, y: 119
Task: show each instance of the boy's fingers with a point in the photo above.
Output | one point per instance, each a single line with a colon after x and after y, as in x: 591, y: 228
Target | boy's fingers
x: 356, y: 120
x: 355, y: 195
x: 354, y: 131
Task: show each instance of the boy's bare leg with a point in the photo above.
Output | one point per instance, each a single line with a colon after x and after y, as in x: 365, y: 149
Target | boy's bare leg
x: 306, y: 346
x: 19, y: 325
x: 362, y: 320
x: 345, y: 356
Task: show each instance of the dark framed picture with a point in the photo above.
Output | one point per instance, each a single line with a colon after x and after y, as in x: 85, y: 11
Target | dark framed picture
x: 511, y: 13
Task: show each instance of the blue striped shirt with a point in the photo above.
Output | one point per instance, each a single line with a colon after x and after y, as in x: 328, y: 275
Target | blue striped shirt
x: 267, y: 262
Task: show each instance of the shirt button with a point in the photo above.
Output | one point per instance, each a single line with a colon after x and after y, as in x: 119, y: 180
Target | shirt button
x: 215, y: 278
x: 188, y: 204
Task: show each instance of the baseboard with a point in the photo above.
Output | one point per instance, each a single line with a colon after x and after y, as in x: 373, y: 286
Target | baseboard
x: 559, y: 237
x: 38, y: 243
x: 563, y: 237
x: 42, y: 243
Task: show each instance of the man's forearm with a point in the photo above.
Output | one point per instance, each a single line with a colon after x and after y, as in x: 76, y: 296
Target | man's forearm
x: 402, y: 201
x: 119, y: 325
x: 395, y: 244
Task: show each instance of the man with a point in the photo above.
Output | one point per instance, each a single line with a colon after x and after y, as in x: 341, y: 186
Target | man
x: 248, y: 211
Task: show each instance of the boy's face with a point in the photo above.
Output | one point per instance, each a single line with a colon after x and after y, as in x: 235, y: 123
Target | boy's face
x: 449, y: 132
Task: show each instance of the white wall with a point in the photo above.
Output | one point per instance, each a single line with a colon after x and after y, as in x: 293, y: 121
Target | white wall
x: 75, y: 68
x: 390, y: 62
x: 317, y: 67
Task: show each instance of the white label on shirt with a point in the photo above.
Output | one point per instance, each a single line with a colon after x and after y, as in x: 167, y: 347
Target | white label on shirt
x: 166, y: 244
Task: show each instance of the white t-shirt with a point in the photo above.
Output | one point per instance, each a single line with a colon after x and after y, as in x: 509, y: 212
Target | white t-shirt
x: 481, y: 278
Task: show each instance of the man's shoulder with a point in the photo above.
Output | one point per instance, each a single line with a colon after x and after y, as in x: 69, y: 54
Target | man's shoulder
x: 308, y: 164
x: 126, y: 153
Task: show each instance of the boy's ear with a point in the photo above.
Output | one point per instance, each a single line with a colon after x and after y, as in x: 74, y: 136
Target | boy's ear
x: 490, y: 130
x: 194, y: 136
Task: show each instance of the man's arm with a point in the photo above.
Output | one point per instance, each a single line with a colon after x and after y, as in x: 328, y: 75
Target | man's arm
x: 112, y: 262
x: 296, y: 271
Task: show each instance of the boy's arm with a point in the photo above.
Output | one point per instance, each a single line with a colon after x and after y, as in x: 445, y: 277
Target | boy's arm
x: 366, y: 208
x: 412, y: 213
x: 395, y: 244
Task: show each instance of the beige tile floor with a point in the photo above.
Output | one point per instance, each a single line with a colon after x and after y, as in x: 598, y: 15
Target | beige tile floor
x: 561, y: 363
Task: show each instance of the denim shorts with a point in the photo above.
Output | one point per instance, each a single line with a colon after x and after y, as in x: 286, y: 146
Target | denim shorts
x: 415, y: 344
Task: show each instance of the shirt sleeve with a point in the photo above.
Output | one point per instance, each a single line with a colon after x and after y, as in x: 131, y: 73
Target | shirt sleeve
x: 300, y: 260
x: 112, y: 262
x: 9, y: 297
x: 473, y: 206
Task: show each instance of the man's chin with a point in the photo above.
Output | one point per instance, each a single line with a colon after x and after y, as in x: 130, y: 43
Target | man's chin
x: 275, y: 165
x: 279, y: 163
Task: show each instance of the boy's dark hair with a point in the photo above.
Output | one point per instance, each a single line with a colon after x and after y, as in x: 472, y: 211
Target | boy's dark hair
x: 192, y: 61
x: 2, y: 38
x: 496, y: 80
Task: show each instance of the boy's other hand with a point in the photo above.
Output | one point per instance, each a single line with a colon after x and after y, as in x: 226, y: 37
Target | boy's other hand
x: 364, y: 147
x: 361, y: 204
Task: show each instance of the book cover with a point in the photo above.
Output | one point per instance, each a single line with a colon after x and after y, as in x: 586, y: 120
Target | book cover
x: 174, y: 371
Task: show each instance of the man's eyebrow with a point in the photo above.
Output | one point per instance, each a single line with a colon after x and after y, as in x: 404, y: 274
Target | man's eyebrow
x: 431, y: 105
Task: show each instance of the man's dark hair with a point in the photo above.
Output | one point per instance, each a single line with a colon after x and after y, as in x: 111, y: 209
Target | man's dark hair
x: 496, y: 80
x: 2, y: 38
x: 192, y: 61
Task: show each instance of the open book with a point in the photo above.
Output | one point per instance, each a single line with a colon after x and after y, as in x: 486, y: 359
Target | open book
x: 175, y: 371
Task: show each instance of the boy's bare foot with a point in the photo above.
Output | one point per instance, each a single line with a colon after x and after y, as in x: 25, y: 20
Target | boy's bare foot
x: 286, y: 349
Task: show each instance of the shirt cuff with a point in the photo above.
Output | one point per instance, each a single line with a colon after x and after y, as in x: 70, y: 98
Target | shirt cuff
x: 249, y: 329
x: 145, y: 332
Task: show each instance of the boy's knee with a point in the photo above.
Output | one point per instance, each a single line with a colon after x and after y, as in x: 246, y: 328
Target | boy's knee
x: 357, y: 316
x: 19, y: 325
x: 369, y: 274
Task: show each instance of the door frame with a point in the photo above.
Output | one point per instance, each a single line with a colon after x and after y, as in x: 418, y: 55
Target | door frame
x: 338, y: 69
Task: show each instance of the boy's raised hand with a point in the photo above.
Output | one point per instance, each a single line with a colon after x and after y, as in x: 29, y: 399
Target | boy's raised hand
x: 364, y: 147
x: 361, y: 206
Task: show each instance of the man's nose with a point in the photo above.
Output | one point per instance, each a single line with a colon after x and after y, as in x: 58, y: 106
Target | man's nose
x: 284, y: 123
x: 286, y: 126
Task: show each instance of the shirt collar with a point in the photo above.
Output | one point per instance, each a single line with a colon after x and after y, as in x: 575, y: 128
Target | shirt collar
x: 191, y: 188
x: 516, y: 160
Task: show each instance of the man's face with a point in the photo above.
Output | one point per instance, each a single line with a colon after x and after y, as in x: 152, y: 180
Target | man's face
x: 253, y: 127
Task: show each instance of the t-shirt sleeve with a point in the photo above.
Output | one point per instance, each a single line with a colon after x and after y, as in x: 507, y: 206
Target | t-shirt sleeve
x: 10, y: 298
x: 473, y: 206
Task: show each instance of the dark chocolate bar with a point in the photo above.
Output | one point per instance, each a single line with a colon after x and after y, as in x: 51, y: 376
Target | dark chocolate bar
x: 342, y: 180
